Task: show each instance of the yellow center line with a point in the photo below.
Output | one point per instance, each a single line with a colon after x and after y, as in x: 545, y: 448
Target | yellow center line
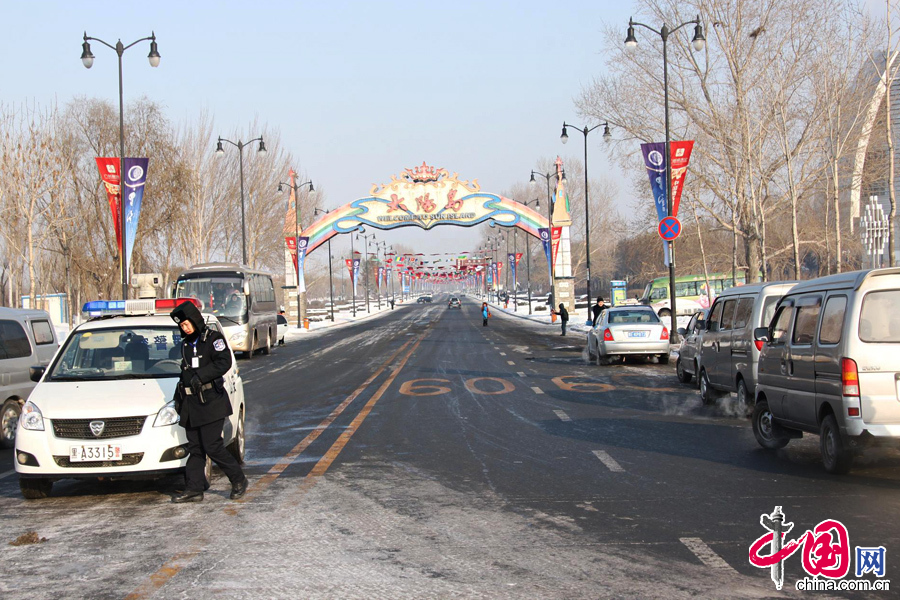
x: 325, y: 462
x: 176, y: 563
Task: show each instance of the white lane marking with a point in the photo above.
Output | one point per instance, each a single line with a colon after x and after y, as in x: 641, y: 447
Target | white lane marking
x: 520, y: 373
x: 706, y: 554
x: 7, y: 473
x: 503, y: 354
x: 496, y: 347
x: 537, y: 390
x: 510, y: 362
x: 562, y: 416
x: 609, y: 461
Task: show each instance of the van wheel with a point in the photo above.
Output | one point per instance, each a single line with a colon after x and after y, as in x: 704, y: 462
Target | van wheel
x: 35, y: 489
x: 765, y: 429
x: 707, y: 395
x: 683, y: 376
x: 236, y: 447
x: 836, y: 456
x: 743, y: 396
x: 9, y: 418
x: 249, y: 353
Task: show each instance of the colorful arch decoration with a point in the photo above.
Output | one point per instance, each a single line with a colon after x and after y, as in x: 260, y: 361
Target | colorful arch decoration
x: 424, y: 197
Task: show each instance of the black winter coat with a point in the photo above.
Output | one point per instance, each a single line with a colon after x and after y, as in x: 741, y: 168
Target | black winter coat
x: 213, y: 362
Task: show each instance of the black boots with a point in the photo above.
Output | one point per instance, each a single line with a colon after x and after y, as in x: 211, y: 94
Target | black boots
x: 187, y: 496
x: 238, y: 489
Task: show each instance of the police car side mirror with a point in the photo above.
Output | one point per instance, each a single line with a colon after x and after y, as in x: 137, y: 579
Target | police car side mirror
x: 35, y: 373
x: 682, y: 331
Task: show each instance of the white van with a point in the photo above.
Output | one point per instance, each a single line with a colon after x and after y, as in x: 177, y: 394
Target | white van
x: 830, y: 365
x: 27, y: 339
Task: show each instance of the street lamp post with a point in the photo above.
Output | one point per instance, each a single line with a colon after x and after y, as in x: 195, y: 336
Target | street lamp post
x: 261, y: 150
x: 378, y: 273
x: 533, y: 183
x: 87, y: 59
x: 312, y: 193
x: 699, y: 42
x: 537, y: 204
x: 587, y: 222
x: 317, y: 211
x: 366, y: 256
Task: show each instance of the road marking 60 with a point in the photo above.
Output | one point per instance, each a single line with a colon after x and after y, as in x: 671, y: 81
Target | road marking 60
x: 507, y: 386
x: 581, y: 386
x: 429, y: 387
x: 412, y: 388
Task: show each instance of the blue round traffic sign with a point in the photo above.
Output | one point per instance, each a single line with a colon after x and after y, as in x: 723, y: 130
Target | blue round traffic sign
x: 669, y: 228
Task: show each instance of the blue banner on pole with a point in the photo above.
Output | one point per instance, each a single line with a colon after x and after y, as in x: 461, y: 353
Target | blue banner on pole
x: 135, y: 176
x: 544, y: 232
x: 511, y: 257
x: 355, y: 274
x: 302, y: 246
x: 655, y: 161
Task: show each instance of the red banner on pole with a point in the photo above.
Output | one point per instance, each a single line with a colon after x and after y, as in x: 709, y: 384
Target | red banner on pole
x: 555, y: 236
x: 681, y: 156
x: 109, y: 174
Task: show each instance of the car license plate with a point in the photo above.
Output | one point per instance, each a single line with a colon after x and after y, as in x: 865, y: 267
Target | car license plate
x: 637, y: 334
x: 88, y: 453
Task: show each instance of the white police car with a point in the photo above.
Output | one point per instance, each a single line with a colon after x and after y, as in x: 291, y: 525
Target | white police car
x: 104, y: 407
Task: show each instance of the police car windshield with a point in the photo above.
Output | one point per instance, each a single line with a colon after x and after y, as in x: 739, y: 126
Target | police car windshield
x: 222, y: 296
x: 120, y: 353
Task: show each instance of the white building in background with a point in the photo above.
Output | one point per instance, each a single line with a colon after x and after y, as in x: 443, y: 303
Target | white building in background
x: 873, y: 146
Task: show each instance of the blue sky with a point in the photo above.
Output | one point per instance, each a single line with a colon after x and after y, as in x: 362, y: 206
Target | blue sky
x: 359, y: 90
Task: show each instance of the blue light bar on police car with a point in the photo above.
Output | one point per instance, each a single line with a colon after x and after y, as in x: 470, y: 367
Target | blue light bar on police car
x: 102, y: 308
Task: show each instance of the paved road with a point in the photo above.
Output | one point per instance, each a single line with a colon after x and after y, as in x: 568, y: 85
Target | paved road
x: 421, y: 455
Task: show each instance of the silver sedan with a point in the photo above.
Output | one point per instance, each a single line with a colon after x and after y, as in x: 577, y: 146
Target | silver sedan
x: 629, y: 330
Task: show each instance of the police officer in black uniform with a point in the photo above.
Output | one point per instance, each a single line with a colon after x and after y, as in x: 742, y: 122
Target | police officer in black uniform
x: 203, y: 404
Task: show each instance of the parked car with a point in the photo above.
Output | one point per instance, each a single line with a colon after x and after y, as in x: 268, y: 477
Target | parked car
x: 830, y: 365
x: 105, y: 406
x: 629, y: 330
x: 27, y: 339
x: 687, y: 365
x: 728, y: 354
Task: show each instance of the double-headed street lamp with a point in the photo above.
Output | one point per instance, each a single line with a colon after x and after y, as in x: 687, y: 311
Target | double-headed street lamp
x: 378, y: 273
x: 533, y: 183
x: 261, y: 150
x: 699, y: 42
x: 330, y: 258
x: 587, y: 221
x: 87, y: 59
x: 296, y: 187
x: 366, y: 257
x: 537, y: 204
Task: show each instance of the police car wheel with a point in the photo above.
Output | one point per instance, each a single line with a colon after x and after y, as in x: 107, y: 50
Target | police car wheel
x: 236, y: 447
x: 35, y: 489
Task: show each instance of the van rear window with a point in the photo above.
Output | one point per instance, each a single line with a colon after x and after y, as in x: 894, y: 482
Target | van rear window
x: 13, y: 341
x: 879, y: 320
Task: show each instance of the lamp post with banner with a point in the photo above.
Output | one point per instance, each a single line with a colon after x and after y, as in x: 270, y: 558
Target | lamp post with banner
x: 698, y: 42
x: 365, y: 255
x: 874, y: 228
x: 587, y: 221
x: 87, y: 59
x: 296, y: 187
x: 533, y: 183
x: 330, y: 258
x: 537, y: 204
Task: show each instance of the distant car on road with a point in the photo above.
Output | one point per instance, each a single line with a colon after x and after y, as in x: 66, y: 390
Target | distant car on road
x: 629, y: 330
x: 687, y: 365
x: 454, y: 303
x: 421, y: 300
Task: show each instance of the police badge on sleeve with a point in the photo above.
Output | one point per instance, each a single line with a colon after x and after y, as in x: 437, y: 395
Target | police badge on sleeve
x: 219, y: 345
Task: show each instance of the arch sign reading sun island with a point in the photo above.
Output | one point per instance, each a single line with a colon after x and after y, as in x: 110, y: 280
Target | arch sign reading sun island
x: 424, y: 197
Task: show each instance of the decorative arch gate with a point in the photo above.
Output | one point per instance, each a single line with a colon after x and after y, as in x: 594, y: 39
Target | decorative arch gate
x: 426, y: 197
